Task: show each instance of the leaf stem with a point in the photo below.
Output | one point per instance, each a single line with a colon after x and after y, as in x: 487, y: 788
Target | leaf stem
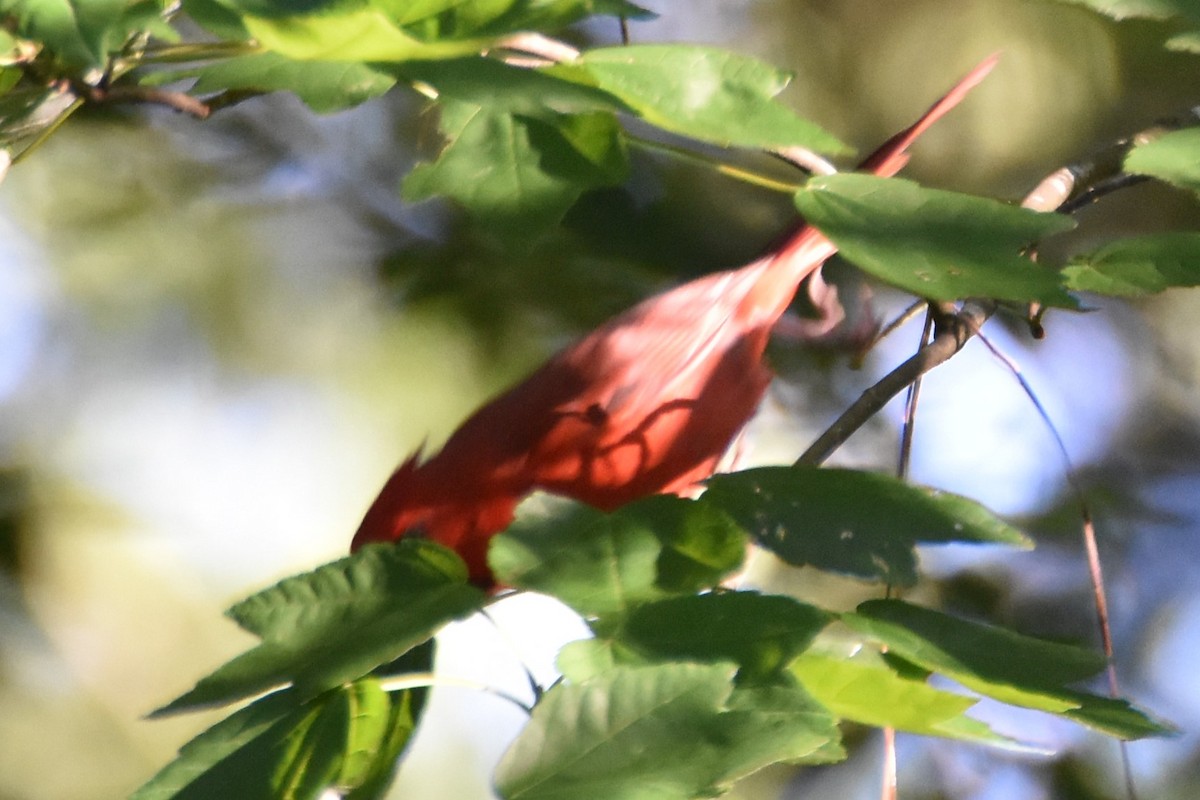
x: 723, y: 168
x: 428, y: 680
x: 49, y: 130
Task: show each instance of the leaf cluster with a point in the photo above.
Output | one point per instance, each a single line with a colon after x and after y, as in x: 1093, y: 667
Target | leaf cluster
x: 684, y: 687
x: 529, y: 124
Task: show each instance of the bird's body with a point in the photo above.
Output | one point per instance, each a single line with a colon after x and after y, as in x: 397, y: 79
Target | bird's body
x: 645, y: 404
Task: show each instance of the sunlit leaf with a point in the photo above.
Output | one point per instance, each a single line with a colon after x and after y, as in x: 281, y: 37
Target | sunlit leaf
x: 864, y: 689
x: 363, y: 34
x: 933, y: 243
x: 324, y: 86
x: 1173, y: 157
x: 1186, y: 42
x: 1138, y: 266
x: 708, y: 94
x: 1001, y: 664
x: 367, y: 770
x: 340, y: 621
x: 1144, y: 9
x: 760, y: 633
x: 76, y: 32
x: 518, y: 174
x: 857, y: 523
x: 607, y: 563
x: 663, y: 732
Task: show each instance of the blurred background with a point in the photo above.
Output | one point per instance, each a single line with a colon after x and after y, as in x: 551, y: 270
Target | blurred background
x: 218, y: 338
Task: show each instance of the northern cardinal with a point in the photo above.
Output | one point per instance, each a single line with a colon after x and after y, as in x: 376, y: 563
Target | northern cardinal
x: 645, y: 404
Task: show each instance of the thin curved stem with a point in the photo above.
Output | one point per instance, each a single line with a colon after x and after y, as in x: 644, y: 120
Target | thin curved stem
x: 429, y: 680
x: 737, y: 173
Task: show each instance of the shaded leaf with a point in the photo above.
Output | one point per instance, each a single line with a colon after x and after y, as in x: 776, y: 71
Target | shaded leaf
x: 1138, y: 266
x: 497, y: 17
x: 668, y: 731
x: 339, y: 622
x: 935, y: 244
x: 760, y: 633
x: 502, y: 87
x: 608, y: 563
x: 209, y: 749
x: 217, y: 18
x: 706, y: 93
x: 324, y: 86
x: 518, y: 174
x: 275, y: 749
x: 864, y: 524
x: 1173, y: 157
x: 1001, y: 664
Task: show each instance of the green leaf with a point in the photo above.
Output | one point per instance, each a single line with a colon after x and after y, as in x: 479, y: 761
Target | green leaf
x: 585, y: 659
x: 497, y: 17
x: 368, y: 771
x: 78, y: 33
x: 217, y: 18
x: 324, y: 86
x: 708, y: 94
x: 1173, y: 157
x: 1141, y: 9
x: 762, y: 634
x: 518, y: 174
x: 862, y: 688
x: 608, y: 563
x: 857, y: 523
x: 407, y: 12
x: 1138, y: 266
x: 1185, y: 42
x: 339, y: 622
x: 209, y: 749
x: 935, y: 244
x: 276, y: 750
x: 1001, y: 664
x: 362, y: 34
x: 504, y: 88
x: 663, y: 732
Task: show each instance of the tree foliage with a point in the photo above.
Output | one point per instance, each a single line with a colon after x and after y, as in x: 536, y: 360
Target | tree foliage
x: 685, y: 686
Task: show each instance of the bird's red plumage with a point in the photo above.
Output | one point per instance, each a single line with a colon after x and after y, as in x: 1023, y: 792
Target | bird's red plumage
x: 645, y: 404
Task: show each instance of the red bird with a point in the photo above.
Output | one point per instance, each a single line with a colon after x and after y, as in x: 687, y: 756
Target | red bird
x: 645, y: 404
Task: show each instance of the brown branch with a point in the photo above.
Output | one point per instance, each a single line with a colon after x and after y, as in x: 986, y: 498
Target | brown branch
x: 181, y: 102
x: 952, y: 331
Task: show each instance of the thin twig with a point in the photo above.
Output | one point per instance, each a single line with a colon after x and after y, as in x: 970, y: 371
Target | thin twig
x: 952, y: 331
x: 891, y: 785
x: 910, y: 407
x: 1095, y: 570
x: 184, y: 103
